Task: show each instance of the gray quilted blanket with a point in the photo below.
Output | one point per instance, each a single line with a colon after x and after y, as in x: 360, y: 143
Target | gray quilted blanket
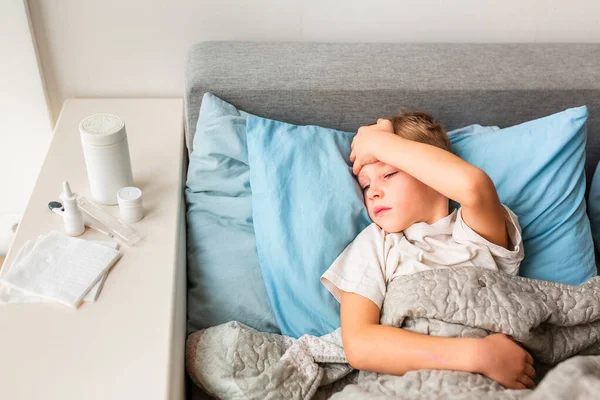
x: 558, y: 324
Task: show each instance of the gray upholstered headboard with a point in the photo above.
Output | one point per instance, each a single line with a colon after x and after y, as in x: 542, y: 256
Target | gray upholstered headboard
x: 345, y: 85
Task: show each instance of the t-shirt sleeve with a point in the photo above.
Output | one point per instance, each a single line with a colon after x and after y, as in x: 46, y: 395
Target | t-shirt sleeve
x: 507, y: 260
x: 360, y: 268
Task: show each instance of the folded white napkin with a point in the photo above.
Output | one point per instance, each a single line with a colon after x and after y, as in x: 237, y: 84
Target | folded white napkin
x: 58, y: 268
x: 12, y: 294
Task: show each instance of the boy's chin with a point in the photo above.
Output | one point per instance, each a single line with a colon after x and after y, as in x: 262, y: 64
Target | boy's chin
x: 390, y: 227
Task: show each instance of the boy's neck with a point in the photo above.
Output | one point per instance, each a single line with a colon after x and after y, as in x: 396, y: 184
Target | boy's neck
x: 439, y: 209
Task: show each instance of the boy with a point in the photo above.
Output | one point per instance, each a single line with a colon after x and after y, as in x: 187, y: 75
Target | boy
x: 408, y: 174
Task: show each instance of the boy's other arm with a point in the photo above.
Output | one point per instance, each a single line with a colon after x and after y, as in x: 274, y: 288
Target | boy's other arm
x: 390, y: 350
x: 441, y: 170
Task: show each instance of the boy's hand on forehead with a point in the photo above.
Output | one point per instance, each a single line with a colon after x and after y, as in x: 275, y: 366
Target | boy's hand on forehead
x: 367, y: 143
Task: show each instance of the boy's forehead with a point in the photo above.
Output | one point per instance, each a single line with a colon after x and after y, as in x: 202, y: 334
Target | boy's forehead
x: 364, y: 171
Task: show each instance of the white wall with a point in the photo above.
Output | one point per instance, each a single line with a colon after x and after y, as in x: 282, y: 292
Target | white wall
x: 137, y: 48
x: 25, y: 122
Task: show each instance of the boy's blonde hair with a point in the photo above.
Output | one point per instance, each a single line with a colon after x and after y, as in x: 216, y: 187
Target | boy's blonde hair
x: 420, y: 127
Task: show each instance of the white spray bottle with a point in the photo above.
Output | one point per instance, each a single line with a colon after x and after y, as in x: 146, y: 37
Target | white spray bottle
x: 72, y: 217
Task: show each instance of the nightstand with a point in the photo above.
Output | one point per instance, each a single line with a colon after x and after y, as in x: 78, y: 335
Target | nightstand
x: 130, y: 343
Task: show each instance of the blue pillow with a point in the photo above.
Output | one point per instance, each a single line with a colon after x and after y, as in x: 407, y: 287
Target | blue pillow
x: 538, y: 170
x: 594, y: 207
x: 307, y: 207
x: 224, y: 277
x: 474, y: 129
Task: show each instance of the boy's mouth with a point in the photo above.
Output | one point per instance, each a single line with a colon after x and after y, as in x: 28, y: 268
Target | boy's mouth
x: 378, y: 210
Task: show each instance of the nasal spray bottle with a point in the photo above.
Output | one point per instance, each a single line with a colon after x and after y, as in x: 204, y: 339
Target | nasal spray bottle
x: 72, y: 217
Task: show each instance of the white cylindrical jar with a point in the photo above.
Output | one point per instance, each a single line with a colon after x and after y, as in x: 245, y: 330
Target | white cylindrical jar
x: 106, y: 153
x: 130, y: 204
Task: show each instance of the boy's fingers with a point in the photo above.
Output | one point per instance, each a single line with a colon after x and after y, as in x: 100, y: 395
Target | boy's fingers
x: 527, y: 381
x: 352, y: 156
x: 387, y: 125
x: 529, y: 371
x: 529, y: 358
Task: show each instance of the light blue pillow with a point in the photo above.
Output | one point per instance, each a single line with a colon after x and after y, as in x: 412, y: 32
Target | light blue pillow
x: 307, y: 205
x: 307, y: 208
x: 538, y: 170
x: 474, y: 129
x: 594, y: 207
x: 224, y: 278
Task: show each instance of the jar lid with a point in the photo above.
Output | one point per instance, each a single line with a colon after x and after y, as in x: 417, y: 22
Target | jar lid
x: 102, y: 129
x: 129, y: 196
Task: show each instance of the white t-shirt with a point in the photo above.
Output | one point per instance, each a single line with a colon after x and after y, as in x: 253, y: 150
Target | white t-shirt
x: 375, y: 257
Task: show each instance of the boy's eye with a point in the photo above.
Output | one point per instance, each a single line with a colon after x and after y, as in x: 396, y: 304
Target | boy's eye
x: 366, y: 187
x: 390, y: 174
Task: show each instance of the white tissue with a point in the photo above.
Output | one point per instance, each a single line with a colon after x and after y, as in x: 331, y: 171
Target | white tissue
x: 58, y: 268
x: 12, y: 294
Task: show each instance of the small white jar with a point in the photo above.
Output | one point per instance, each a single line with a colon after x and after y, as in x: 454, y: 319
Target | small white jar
x: 130, y: 204
x: 106, y: 153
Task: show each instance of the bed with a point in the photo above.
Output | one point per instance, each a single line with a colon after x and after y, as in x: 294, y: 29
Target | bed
x: 342, y: 85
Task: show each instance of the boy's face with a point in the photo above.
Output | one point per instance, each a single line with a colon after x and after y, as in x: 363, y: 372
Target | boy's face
x: 395, y: 200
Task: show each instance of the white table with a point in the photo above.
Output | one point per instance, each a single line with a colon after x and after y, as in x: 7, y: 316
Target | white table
x: 130, y: 343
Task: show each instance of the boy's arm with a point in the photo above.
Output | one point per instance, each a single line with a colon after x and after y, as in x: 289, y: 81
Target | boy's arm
x: 441, y: 170
x: 390, y: 350
x: 454, y: 178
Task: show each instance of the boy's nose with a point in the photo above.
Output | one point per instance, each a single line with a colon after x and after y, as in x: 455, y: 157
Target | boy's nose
x: 375, y: 193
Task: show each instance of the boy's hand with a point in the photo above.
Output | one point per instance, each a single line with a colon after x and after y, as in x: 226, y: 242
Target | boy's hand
x: 368, y: 141
x: 503, y: 360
